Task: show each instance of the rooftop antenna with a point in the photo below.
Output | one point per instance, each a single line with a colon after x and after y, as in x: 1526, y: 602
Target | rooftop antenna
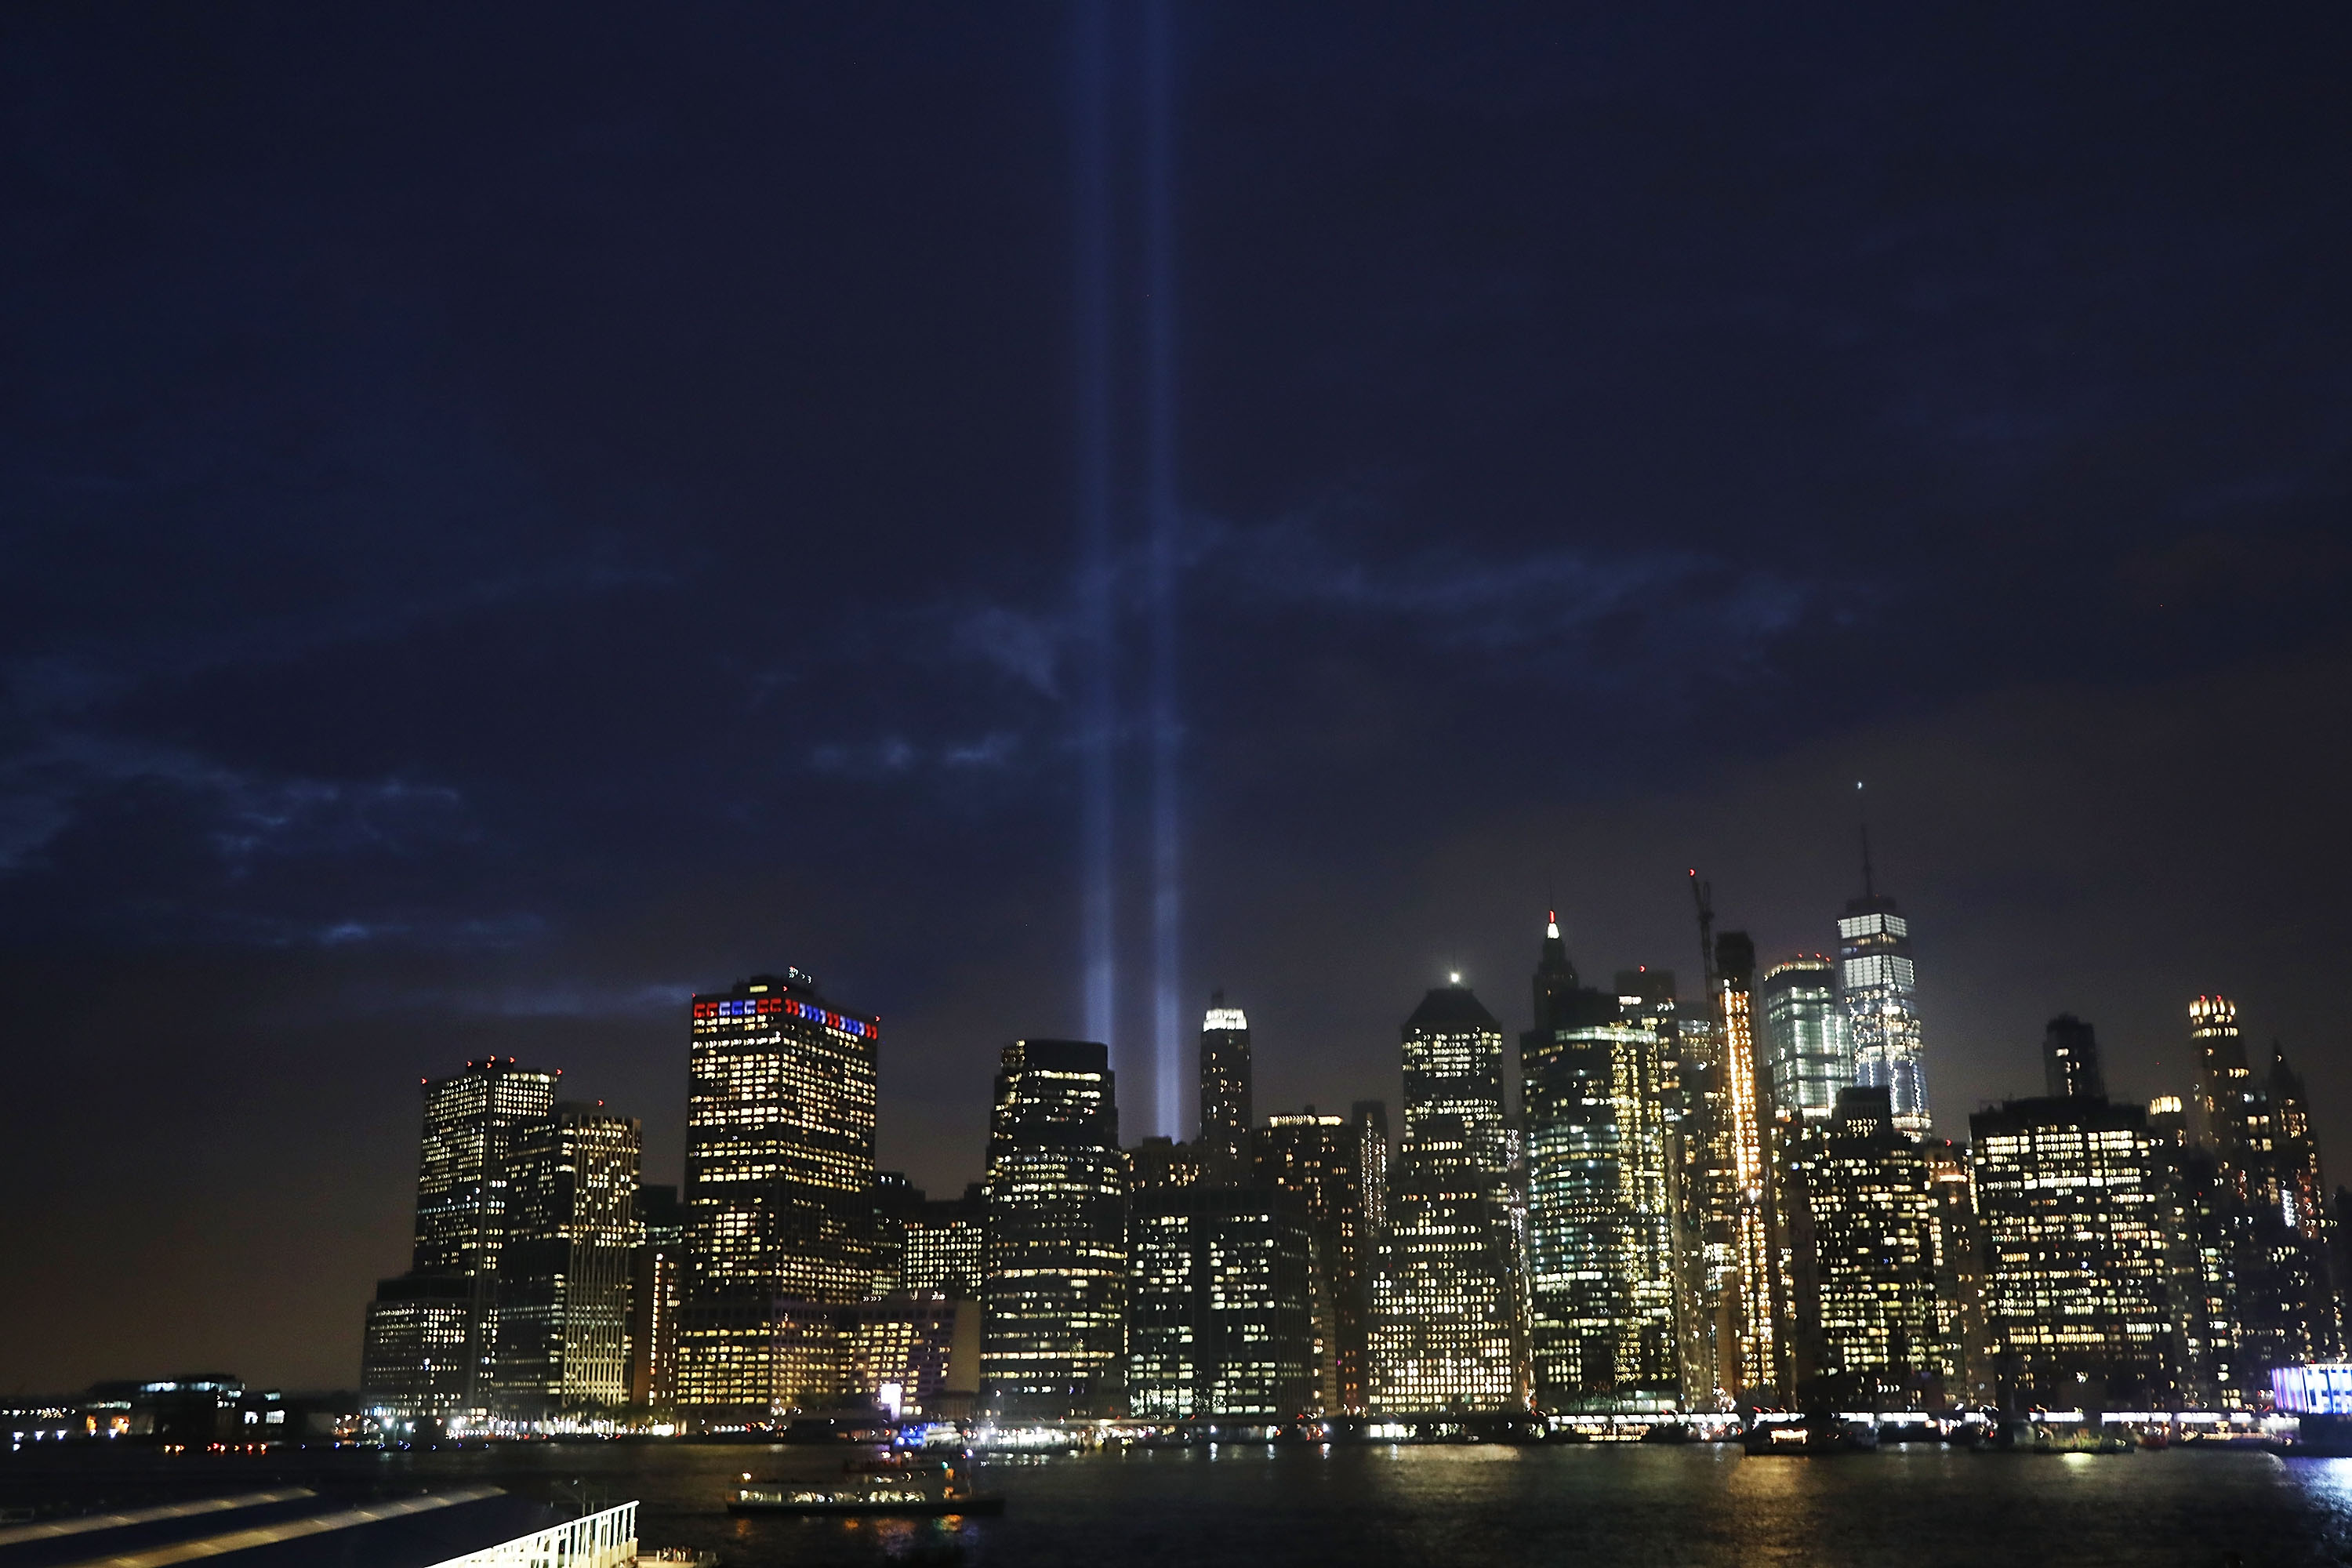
x: 1869, y: 891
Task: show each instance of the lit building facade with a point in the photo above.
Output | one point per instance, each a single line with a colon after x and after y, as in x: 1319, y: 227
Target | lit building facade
x: 779, y: 1198
x: 1759, y: 1302
x: 914, y: 1353
x: 1448, y: 1329
x: 1219, y: 1290
x: 1879, y: 988
x: 943, y: 1250
x: 655, y: 1297
x: 1600, y: 1269
x: 1225, y: 1112
x: 563, y: 1341
x: 417, y: 1358
x: 2269, y: 1217
x: 1806, y: 1058
x: 1318, y: 1162
x: 2072, y: 1201
x: 1871, y: 1322
x: 1163, y: 1165
x: 1054, y: 1338
x: 474, y: 1121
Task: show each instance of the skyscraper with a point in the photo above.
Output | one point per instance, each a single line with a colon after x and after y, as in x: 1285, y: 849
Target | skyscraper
x: 2273, y: 1224
x: 1447, y: 1330
x: 564, y: 1273
x: 1225, y: 1118
x: 2070, y: 1060
x: 655, y: 1296
x: 1056, y: 1286
x: 474, y: 1121
x: 2071, y: 1200
x: 1761, y: 1302
x: 1601, y: 1274
x: 1871, y: 1319
x: 779, y: 1198
x: 1881, y: 1008
x: 1219, y: 1302
x: 1807, y: 1057
x: 1318, y: 1161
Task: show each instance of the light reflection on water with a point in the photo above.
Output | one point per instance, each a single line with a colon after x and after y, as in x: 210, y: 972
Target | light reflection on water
x: 1396, y: 1506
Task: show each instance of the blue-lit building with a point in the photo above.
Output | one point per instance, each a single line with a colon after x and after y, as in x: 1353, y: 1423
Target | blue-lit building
x: 1879, y: 988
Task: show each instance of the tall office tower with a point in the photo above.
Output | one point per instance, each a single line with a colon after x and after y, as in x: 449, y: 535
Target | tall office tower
x: 1806, y: 1054
x: 896, y: 1201
x: 1160, y: 1164
x: 562, y: 1293
x: 2225, y: 1114
x: 1882, y: 1006
x: 2197, y: 1217
x: 654, y: 1296
x: 1869, y: 1315
x: 779, y: 1198
x: 1600, y: 1270
x: 2288, y: 1309
x: 1761, y: 1292
x: 2265, y: 1212
x: 2070, y: 1060
x: 1318, y: 1161
x: 473, y: 1121
x: 1056, y: 1277
x: 1960, y: 1271
x: 1219, y: 1322
x: 2070, y: 1201
x: 1645, y: 998
x: 1370, y: 1117
x: 943, y: 1251
x: 1225, y: 1118
x: 1447, y: 1330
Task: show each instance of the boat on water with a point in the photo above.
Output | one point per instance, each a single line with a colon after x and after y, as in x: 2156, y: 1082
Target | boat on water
x: 903, y: 1488
x: 1811, y: 1438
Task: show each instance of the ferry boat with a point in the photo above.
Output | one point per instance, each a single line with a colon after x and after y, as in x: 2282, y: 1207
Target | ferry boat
x: 903, y: 1488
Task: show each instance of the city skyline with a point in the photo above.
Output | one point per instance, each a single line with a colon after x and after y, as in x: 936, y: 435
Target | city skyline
x: 513, y: 519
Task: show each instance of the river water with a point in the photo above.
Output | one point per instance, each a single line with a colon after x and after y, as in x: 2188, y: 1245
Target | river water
x: 1382, y: 1507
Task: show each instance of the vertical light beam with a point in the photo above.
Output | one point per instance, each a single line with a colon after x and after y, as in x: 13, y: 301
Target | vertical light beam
x: 1090, y: 296
x: 1167, y: 565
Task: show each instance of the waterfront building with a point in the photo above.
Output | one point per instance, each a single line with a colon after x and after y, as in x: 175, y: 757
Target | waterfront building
x: 2252, y: 1191
x: 2070, y: 1060
x: 1219, y: 1291
x: 1959, y: 1271
x: 943, y: 1245
x: 1600, y: 1269
x: 779, y: 1198
x: 1225, y: 1114
x: 1448, y: 1329
x: 2072, y: 1201
x: 1807, y: 1059
x: 1055, y: 1276
x: 1878, y: 985
x: 655, y: 1296
x: 1318, y: 1161
x: 1864, y: 1216
x: 416, y: 1360
x: 914, y: 1353
x: 473, y: 1121
x: 563, y: 1292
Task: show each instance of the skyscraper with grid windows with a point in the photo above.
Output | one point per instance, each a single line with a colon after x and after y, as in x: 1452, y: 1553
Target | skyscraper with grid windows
x: 779, y: 1198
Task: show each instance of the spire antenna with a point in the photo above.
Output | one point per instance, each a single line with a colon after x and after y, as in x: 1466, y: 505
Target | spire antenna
x: 1869, y: 889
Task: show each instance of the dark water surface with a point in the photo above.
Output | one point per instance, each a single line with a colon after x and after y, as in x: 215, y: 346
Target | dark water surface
x: 1375, y: 1506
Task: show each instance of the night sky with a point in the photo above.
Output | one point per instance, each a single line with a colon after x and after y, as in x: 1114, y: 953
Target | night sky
x: 510, y: 515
